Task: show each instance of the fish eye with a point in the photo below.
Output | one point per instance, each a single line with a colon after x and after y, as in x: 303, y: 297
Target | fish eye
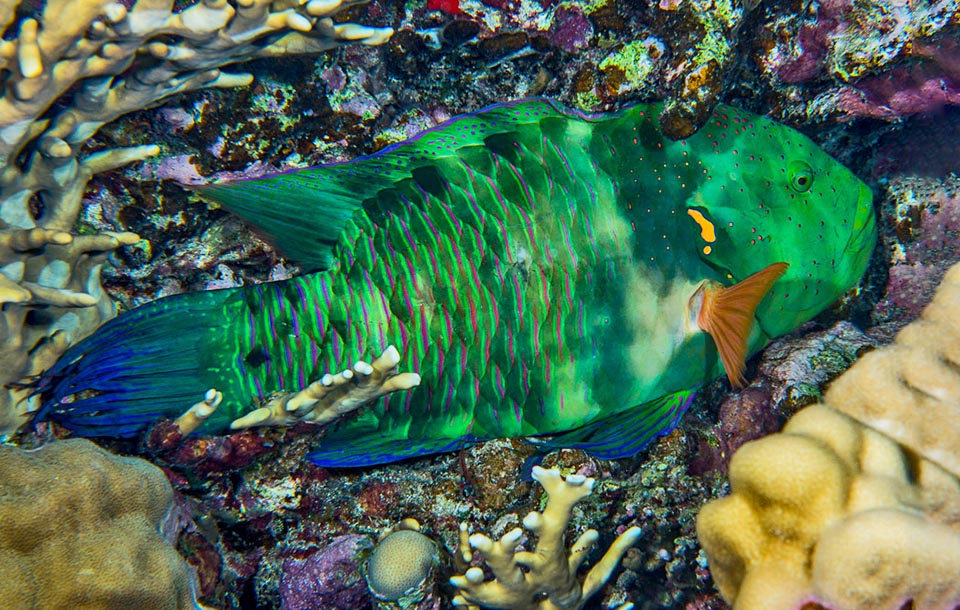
x: 801, y: 176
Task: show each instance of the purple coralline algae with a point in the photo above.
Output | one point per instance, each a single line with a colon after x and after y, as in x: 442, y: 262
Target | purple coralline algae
x: 875, y: 59
x: 571, y: 29
x: 327, y: 578
x: 923, y: 240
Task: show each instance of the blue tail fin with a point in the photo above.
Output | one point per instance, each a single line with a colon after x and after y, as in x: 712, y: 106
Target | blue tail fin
x: 136, y: 368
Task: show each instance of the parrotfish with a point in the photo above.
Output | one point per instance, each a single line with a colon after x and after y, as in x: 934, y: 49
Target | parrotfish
x: 546, y: 272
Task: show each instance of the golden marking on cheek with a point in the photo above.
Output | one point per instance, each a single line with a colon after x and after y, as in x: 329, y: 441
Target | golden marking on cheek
x: 707, y: 249
x: 707, y: 230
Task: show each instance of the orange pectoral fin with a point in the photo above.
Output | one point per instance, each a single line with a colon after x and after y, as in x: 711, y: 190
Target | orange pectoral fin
x: 726, y: 314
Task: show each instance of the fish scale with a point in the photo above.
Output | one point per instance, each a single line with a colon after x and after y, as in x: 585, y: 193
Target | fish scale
x: 534, y: 265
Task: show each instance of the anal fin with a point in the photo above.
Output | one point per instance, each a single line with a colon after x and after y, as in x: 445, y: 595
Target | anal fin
x: 372, y: 451
x: 626, y: 433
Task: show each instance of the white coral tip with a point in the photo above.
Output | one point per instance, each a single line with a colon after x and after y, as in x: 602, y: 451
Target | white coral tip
x: 320, y: 8
x: 391, y: 355
x: 481, y: 542
x: 533, y: 521
x: 632, y: 534
x: 115, y: 13
x: 512, y: 537
x: 474, y: 576
x: 586, y: 541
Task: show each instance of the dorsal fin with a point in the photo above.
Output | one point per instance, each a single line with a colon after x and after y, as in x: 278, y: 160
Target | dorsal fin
x: 726, y: 313
x: 303, y: 211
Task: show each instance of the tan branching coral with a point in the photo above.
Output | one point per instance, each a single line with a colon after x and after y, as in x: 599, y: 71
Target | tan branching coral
x: 321, y: 402
x: 545, y: 578
x: 858, y: 515
x: 72, y: 68
x: 81, y: 530
x: 333, y: 396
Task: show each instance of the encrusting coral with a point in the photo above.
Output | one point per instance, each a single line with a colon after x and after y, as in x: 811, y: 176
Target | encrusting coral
x: 546, y: 577
x: 854, y: 514
x: 910, y: 390
x: 70, y: 70
x: 81, y: 530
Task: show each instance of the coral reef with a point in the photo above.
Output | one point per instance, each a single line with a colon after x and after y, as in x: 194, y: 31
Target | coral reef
x: 831, y: 512
x: 73, y: 68
x: 269, y: 526
x: 81, y: 530
x: 910, y: 390
x: 791, y: 372
x: 703, y: 57
x: 856, y: 504
x: 546, y: 577
x: 660, y: 495
x: 266, y: 511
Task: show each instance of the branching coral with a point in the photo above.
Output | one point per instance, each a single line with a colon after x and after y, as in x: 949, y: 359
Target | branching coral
x: 321, y: 402
x: 854, y: 515
x: 333, y: 396
x: 81, y: 530
x: 545, y: 578
x: 71, y: 69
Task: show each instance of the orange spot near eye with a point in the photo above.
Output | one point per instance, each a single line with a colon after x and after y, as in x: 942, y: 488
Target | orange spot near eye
x: 707, y: 231
x: 707, y: 249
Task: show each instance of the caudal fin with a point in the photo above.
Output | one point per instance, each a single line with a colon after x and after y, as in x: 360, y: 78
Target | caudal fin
x: 136, y: 368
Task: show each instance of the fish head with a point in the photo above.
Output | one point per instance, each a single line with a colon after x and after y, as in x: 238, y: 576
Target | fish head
x: 769, y: 194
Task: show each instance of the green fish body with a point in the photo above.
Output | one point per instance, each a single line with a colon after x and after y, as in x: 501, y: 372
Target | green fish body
x: 542, y: 270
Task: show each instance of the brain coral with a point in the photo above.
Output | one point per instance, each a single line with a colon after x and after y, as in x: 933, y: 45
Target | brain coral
x: 400, y: 562
x: 80, y: 530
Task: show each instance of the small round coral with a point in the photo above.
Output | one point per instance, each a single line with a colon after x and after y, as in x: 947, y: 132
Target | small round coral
x: 400, y: 562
